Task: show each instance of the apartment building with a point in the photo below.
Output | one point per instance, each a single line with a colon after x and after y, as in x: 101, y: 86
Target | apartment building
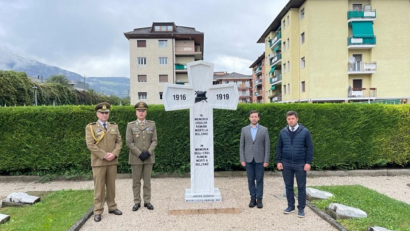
x: 258, y: 73
x: 327, y: 51
x: 158, y: 55
x: 243, y: 82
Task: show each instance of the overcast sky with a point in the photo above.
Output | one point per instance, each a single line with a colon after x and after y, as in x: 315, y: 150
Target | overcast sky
x: 86, y: 36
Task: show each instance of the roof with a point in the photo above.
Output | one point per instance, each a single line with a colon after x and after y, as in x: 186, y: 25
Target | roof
x: 147, y: 32
x: 277, y: 21
x: 233, y: 75
x: 258, y: 60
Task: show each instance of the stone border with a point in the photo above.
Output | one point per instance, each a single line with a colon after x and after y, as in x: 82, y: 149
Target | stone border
x: 77, y: 226
x: 378, y: 172
x: 326, y: 217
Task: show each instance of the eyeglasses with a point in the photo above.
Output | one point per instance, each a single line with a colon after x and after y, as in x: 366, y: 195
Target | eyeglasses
x: 104, y: 112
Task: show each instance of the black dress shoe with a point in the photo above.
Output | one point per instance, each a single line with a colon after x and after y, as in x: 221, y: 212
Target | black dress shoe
x: 149, y: 206
x: 116, y: 212
x: 136, y: 207
x: 252, y: 203
x: 97, y: 218
x: 259, y: 203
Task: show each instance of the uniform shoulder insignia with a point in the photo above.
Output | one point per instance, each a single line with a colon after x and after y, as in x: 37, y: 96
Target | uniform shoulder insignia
x: 113, y: 123
x: 132, y: 122
x: 92, y: 123
x: 150, y: 121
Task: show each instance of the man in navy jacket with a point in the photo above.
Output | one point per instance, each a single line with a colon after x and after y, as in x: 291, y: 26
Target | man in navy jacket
x: 294, y: 155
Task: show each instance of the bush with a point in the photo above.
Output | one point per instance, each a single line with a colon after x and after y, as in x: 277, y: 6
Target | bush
x: 345, y: 136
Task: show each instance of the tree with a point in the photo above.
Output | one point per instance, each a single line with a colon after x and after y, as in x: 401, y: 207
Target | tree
x: 61, y: 79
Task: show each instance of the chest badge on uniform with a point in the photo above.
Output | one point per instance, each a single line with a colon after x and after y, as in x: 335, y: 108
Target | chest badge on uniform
x: 137, y: 136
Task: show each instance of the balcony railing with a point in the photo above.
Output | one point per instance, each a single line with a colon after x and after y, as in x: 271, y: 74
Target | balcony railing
x: 362, y: 92
x: 258, y: 93
x: 180, y: 66
x: 187, y: 49
x: 243, y: 85
x: 366, y: 14
x: 258, y: 82
x: 276, y: 97
x: 244, y: 95
x: 258, y: 71
x: 354, y: 42
x: 361, y: 67
x: 274, y: 59
x: 276, y: 79
x: 275, y: 40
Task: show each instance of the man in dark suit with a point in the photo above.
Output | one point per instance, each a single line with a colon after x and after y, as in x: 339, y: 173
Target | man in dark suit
x: 104, y: 141
x: 254, y: 153
x: 294, y: 155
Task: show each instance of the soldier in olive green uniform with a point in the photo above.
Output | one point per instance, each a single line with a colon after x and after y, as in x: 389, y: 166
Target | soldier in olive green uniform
x: 104, y: 141
x: 141, y: 140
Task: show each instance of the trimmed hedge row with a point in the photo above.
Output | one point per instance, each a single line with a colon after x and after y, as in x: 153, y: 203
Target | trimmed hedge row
x: 345, y: 136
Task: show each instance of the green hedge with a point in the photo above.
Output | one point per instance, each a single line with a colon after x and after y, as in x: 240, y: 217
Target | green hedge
x: 345, y: 136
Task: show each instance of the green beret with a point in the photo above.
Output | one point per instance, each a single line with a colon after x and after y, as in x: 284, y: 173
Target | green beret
x: 141, y: 106
x: 103, y: 107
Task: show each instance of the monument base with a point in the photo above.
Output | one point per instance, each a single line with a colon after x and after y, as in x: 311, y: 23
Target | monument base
x: 202, y: 197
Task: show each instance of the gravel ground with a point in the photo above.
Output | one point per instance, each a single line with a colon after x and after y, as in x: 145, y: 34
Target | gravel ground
x: 163, y: 189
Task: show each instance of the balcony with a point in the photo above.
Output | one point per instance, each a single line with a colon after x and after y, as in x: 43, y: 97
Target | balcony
x: 243, y: 86
x: 275, y: 97
x: 361, y: 43
x: 244, y: 95
x: 361, y: 67
x: 275, y: 40
x: 362, y: 92
x: 180, y: 67
x: 275, y: 59
x: 276, y: 80
x: 366, y: 14
x: 258, y: 71
x: 258, y: 82
x: 258, y: 93
x: 180, y: 82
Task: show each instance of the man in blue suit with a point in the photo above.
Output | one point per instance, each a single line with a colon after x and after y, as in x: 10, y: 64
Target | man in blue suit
x: 254, y: 153
x: 294, y: 155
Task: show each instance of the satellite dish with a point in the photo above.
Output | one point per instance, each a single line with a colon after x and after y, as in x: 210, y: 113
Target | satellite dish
x: 352, y: 60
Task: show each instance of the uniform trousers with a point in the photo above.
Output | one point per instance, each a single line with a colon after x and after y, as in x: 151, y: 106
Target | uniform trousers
x: 141, y: 171
x: 104, y: 179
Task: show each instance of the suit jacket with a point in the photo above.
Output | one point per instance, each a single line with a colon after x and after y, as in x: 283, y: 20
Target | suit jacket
x: 141, y: 138
x: 258, y: 149
x: 111, y: 142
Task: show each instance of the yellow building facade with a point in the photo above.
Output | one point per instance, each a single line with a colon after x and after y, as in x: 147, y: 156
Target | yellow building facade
x: 338, y: 51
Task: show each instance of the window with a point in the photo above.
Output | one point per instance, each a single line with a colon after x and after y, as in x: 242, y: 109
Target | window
x: 288, y: 65
x: 162, y: 43
x: 284, y: 67
x: 302, y: 13
x: 142, y: 78
x: 287, y: 20
x: 163, y: 78
x: 284, y: 46
x: 284, y: 24
x: 163, y: 60
x: 142, y: 61
x: 357, y: 84
x: 284, y: 89
x: 160, y: 95
x: 302, y: 86
x: 288, y: 43
x: 357, y: 7
x: 142, y: 95
x: 302, y: 38
x: 302, y: 62
x: 288, y: 88
x: 163, y: 28
x: 141, y: 43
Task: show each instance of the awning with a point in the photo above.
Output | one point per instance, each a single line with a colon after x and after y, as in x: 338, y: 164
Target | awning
x: 272, y: 88
x: 276, y: 48
x: 362, y: 29
x: 272, y: 70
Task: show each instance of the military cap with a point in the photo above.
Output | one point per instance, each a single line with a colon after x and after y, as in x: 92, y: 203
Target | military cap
x: 103, y: 107
x: 141, y: 105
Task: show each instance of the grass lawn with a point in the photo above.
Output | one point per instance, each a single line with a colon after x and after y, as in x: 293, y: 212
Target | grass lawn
x: 57, y: 210
x: 381, y: 210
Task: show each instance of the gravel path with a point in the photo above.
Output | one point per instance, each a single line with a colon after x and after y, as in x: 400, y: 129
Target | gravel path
x: 268, y: 218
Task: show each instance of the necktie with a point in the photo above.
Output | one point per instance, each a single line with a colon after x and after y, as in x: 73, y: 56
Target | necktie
x: 105, y: 126
x: 292, y: 129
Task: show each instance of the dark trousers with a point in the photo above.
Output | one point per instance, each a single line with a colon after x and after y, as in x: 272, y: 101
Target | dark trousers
x: 255, y: 172
x: 288, y: 172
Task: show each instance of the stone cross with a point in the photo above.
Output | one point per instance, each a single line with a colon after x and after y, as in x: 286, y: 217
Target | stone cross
x: 201, y: 97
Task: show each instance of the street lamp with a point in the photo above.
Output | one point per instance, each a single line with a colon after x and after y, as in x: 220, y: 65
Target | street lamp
x: 35, y: 95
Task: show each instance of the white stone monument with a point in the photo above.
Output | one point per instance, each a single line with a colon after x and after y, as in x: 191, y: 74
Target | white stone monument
x: 201, y: 97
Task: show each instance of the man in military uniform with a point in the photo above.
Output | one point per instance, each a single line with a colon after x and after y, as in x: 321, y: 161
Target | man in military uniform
x: 141, y: 140
x: 104, y: 141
